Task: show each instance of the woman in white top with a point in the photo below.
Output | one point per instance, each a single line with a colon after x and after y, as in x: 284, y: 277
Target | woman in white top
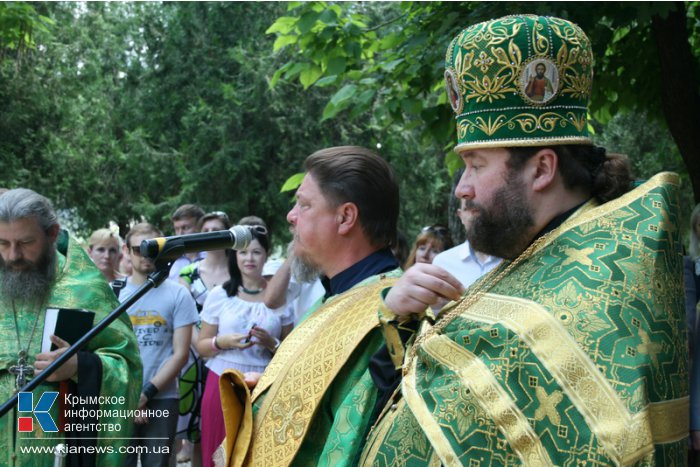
x: 238, y: 331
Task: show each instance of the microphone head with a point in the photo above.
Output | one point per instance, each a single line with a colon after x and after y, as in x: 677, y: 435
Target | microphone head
x: 242, y: 235
x: 150, y: 248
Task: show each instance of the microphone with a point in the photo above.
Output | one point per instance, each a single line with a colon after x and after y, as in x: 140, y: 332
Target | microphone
x: 171, y: 248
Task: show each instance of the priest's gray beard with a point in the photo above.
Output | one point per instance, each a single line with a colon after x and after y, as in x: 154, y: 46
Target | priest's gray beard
x: 24, y: 281
x: 303, y: 269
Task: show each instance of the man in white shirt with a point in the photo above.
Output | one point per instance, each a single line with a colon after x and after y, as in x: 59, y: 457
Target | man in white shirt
x: 462, y: 261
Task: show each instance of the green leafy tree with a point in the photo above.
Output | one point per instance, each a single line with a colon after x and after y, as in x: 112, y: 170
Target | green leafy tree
x: 388, y: 59
x: 18, y: 21
x: 209, y: 100
x: 126, y: 110
x: 119, y: 111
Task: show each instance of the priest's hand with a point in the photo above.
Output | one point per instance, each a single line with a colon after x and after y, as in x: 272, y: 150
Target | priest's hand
x: 421, y: 286
x: 251, y: 378
x: 65, y: 371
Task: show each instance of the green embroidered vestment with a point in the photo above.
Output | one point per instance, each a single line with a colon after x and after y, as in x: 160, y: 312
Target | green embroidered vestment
x: 79, y: 284
x: 575, y: 356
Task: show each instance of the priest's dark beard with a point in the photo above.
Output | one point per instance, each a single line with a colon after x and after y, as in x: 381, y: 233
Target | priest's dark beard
x: 31, y: 284
x: 501, y: 228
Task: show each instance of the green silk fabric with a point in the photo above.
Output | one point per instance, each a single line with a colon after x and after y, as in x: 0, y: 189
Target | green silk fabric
x: 576, y: 356
x: 336, y: 433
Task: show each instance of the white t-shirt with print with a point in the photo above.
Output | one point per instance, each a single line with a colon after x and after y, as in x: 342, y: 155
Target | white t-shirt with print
x: 154, y: 317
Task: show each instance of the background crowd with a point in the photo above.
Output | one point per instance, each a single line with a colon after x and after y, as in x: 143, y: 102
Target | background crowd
x: 235, y: 327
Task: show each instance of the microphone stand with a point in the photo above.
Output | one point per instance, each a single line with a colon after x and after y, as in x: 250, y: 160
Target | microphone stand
x: 154, y: 279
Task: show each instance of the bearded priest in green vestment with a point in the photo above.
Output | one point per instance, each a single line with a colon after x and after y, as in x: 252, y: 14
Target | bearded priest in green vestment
x: 43, y: 267
x: 573, y: 350
x: 315, y: 399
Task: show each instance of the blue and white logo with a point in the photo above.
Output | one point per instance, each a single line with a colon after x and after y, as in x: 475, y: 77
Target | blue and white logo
x: 40, y: 411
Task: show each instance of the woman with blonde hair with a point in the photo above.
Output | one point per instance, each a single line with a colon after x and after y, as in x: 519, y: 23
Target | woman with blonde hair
x: 104, y: 248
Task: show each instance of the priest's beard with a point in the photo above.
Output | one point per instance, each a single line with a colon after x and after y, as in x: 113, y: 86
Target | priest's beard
x: 32, y: 283
x: 303, y: 269
x: 501, y: 227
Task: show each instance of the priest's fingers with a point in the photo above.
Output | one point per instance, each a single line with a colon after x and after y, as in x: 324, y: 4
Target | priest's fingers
x: 251, y: 378
x: 440, y: 281
x: 53, y: 355
x: 64, y: 372
x: 60, y: 343
x: 421, y: 286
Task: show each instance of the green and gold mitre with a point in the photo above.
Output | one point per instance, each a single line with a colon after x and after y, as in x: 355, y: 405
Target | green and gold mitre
x: 521, y: 80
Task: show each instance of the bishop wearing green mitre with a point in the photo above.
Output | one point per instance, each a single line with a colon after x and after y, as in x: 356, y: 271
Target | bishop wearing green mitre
x: 573, y: 350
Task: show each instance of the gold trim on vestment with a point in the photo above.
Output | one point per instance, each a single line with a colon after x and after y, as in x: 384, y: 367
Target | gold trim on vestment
x: 626, y: 437
x: 392, y: 338
x: 489, y: 394
x: 434, y: 460
x: 370, y: 452
x: 669, y: 420
x: 520, y: 142
x: 425, y: 418
x: 308, y: 361
x: 591, y: 210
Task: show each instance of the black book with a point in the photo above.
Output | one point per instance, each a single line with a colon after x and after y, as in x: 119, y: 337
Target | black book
x: 70, y: 324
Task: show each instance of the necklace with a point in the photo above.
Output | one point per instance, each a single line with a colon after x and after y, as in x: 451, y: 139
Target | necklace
x: 490, y: 280
x: 250, y: 292
x: 22, y: 369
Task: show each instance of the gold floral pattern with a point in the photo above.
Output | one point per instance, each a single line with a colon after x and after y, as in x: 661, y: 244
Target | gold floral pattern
x: 289, y: 418
x: 527, y: 123
x: 489, y: 61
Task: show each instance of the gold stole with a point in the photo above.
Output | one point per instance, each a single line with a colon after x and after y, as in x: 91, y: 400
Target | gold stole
x: 305, y: 365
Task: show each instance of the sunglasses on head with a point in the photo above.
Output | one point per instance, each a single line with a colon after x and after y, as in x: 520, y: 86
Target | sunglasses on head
x: 220, y: 214
x: 438, y: 229
x: 217, y: 214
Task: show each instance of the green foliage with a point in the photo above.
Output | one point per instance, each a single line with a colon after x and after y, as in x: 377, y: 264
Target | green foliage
x: 392, y: 55
x: 125, y: 110
x: 385, y: 59
x: 292, y: 182
x: 18, y: 22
